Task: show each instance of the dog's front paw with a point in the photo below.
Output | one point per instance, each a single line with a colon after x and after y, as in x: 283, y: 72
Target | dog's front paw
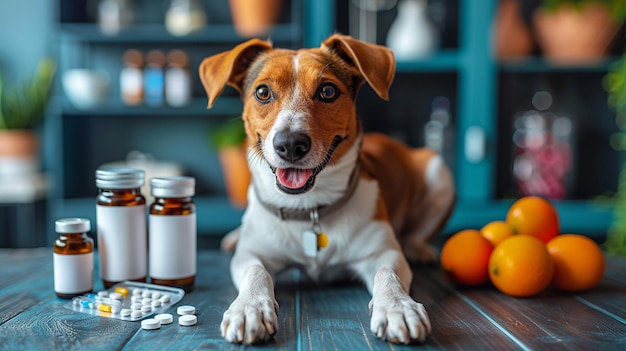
x: 250, y: 320
x: 399, y: 320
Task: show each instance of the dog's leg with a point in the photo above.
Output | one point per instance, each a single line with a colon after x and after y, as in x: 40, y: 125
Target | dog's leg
x: 395, y: 316
x: 429, y: 213
x: 252, y: 317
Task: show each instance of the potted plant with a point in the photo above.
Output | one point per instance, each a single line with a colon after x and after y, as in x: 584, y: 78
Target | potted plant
x: 577, y: 31
x: 230, y: 142
x: 21, y: 109
x: 615, y: 84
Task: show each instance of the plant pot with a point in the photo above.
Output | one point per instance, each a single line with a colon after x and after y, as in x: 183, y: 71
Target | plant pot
x: 512, y: 37
x: 236, y: 174
x: 255, y: 17
x: 19, y: 152
x: 572, y: 37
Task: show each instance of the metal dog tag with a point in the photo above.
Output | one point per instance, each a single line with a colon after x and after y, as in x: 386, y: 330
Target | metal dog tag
x: 309, y: 243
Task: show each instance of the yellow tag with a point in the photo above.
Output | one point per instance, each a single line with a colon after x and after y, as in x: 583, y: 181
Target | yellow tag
x: 322, y: 240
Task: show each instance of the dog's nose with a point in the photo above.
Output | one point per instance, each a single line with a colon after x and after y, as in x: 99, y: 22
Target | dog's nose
x: 291, y: 146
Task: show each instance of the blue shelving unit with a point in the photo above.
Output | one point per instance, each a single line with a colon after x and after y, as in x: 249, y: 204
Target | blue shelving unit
x: 476, y: 95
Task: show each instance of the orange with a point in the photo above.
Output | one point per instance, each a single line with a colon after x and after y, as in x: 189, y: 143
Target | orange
x: 521, y: 266
x: 496, y: 231
x: 465, y: 256
x: 578, y: 262
x: 532, y: 215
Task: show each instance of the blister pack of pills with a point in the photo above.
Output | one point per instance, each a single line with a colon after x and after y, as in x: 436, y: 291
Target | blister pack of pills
x: 128, y: 301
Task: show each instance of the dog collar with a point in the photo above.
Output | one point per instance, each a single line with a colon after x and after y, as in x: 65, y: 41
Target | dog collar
x: 319, y: 212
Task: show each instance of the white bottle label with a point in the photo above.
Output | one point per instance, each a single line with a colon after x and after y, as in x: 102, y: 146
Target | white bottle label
x: 73, y: 273
x: 122, y: 242
x: 172, y: 249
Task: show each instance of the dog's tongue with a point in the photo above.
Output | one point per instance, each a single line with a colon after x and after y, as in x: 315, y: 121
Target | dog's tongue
x: 293, y: 178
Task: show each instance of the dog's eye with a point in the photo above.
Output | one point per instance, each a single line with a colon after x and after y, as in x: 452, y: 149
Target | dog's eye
x: 263, y: 93
x: 328, y: 92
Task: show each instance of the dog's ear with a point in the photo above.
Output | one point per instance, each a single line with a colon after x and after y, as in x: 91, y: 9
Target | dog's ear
x: 375, y: 62
x: 229, y: 67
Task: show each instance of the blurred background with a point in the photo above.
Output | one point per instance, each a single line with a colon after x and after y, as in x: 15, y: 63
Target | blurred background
x: 498, y: 87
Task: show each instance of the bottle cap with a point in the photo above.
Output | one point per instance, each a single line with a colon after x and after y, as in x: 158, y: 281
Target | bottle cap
x: 72, y: 225
x: 119, y: 178
x: 173, y: 186
x: 156, y: 58
x: 133, y: 57
x: 177, y: 58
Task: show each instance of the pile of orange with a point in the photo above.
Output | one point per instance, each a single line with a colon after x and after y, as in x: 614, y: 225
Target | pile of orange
x: 524, y: 254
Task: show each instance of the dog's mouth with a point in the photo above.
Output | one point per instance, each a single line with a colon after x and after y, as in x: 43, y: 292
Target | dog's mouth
x: 295, y: 181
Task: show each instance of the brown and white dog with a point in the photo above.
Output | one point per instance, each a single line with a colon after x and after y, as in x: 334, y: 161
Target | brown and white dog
x: 313, y: 172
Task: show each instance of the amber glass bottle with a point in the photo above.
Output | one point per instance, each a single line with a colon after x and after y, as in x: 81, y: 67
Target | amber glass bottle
x: 73, y: 258
x: 121, y: 223
x: 172, y: 224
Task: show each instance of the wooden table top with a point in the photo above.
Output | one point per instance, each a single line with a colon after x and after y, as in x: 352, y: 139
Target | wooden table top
x: 313, y: 317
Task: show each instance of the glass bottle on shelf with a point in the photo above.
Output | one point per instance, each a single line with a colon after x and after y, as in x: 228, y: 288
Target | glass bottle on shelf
x: 154, y: 78
x: 114, y: 14
x: 177, y: 79
x: 184, y: 17
x: 542, y: 160
x: 131, y: 78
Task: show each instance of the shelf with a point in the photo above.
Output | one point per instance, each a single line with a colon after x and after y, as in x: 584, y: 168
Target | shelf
x: 577, y: 217
x: 157, y: 33
x: 215, y: 215
x: 227, y: 106
x: 439, y: 62
x: 540, y: 65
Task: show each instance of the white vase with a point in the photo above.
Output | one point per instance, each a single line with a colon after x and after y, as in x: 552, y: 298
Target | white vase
x: 412, y: 35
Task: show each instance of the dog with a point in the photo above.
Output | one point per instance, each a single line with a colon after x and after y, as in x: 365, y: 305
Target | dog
x: 325, y: 196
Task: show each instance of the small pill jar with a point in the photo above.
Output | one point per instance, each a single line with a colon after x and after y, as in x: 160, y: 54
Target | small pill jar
x: 73, y: 258
x: 172, y: 225
x: 121, y: 224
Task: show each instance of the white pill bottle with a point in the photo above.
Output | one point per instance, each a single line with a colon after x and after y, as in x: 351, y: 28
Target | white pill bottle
x: 172, y: 226
x: 73, y: 258
x: 121, y: 223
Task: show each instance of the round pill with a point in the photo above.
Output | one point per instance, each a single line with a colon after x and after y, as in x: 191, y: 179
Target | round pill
x: 136, y: 298
x: 188, y: 320
x: 146, y: 294
x: 156, y: 303
x: 116, y: 296
x: 115, y: 309
x: 146, y: 301
x: 103, y: 293
x: 156, y: 295
x: 146, y: 308
x: 125, y: 312
x: 136, y: 306
x: 136, y: 314
x: 185, y: 310
x: 137, y: 292
x: 164, y: 318
x: 165, y: 299
x: 150, y: 324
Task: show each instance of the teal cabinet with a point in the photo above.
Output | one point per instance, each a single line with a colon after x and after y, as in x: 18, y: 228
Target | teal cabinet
x: 473, y: 83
